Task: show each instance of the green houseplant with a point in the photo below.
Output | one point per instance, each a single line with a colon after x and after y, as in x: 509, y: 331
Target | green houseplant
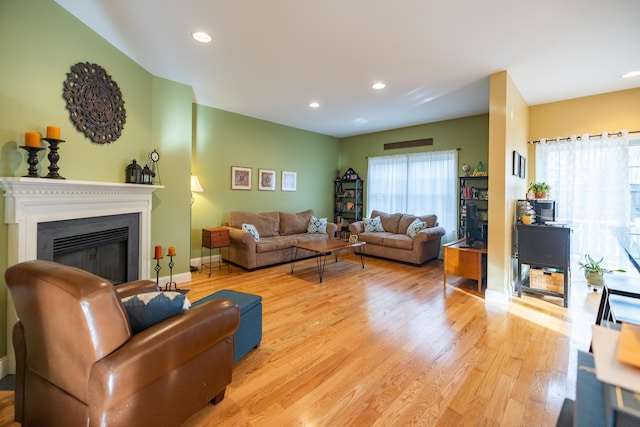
x: 539, y: 189
x: 594, y: 271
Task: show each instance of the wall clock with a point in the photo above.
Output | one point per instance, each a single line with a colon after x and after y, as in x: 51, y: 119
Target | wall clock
x: 94, y: 102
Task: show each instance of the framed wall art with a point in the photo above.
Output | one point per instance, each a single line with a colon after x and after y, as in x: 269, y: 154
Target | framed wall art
x: 266, y: 179
x: 289, y: 181
x: 523, y: 167
x: 240, y: 178
x: 516, y: 164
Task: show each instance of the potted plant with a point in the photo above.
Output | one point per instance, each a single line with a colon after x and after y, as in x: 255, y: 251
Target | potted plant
x: 594, y: 271
x: 539, y: 189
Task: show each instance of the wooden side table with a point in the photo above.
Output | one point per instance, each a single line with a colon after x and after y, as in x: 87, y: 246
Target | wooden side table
x: 215, y: 238
x: 461, y: 260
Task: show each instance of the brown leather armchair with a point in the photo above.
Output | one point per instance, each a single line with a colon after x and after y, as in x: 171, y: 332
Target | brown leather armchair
x: 78, y: 364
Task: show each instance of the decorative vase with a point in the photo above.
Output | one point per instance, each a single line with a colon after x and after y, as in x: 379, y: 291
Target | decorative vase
x: 593, y: 277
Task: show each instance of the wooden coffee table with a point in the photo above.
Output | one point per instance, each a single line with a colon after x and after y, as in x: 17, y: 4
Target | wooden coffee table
x: 323, y: 248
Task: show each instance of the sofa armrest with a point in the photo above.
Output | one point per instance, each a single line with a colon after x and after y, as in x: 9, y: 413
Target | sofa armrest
x: 332, y: 228
x: 356, y: 227
x: 136, y: 287
x: 430, y: 233
x: 240, y: 236
x: 163, y: 348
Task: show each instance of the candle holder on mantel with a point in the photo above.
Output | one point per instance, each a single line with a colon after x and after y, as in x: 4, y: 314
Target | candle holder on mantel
x: 167, y: 286
x: 32, y: 160
x: 53, y: 158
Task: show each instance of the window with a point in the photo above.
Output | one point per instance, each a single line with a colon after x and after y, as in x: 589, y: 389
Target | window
x: 418, y: 184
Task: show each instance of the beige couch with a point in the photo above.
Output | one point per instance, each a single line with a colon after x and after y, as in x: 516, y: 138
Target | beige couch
x: 394, y: 243
x: 277, y: 232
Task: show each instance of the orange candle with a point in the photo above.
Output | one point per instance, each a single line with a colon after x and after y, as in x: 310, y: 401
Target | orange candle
x: 53, y: 132
x: 172, y: 251
x: 158, y: 252
x: 32, y: 139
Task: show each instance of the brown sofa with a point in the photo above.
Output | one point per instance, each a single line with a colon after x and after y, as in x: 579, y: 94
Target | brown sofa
x: 395, y: 244
x: 77, y: 362
x: 277, y: 232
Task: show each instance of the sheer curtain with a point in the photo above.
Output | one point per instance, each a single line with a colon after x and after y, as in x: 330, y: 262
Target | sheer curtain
x: 589, y: 179
x: 418, y: 183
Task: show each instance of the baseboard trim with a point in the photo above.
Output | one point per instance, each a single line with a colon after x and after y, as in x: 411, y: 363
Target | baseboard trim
x: 496, y: 297
x: 4, y: 366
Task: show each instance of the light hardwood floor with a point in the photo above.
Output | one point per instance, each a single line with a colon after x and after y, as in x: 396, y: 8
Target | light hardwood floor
x: 387, y: 345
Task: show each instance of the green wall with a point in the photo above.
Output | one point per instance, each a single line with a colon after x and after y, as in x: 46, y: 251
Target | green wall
x: 224, y: 139
x: 160, y: 115
x: 469, y: 134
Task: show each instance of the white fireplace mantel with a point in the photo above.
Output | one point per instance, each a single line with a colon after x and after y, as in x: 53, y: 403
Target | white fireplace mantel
x: 29, y: 201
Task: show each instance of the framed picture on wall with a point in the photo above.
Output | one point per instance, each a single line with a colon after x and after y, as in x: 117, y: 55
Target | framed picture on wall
x: 523, y: 167
x: 266, y: 179
x: 289, y: 181
x: 516, y: 163
x: 240, y: 178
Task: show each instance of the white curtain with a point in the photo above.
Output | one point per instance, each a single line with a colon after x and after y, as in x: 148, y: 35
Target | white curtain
x: 589, y: 179
x: 418, y: 183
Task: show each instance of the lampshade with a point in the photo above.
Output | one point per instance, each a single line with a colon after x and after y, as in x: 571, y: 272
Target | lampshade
x: 195, y: 185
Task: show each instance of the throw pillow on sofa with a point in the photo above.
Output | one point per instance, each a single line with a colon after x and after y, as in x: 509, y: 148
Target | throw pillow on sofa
x: 251, y: 229
x: 373, y: 225
x: 415, y: 227
x: 147, y: 309
x: 317, y: 225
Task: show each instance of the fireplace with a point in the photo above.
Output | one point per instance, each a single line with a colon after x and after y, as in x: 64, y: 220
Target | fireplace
x: 30, y: 202
x: 106, y: 245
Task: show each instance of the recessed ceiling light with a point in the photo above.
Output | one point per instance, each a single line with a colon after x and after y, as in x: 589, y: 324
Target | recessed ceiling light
x: 631, y: 74
x: 201, y: 36
x: 378, y: 86
x: 314, y: 105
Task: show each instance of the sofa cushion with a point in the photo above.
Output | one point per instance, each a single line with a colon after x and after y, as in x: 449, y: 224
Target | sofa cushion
x: 406, y: 220
x: 372, y: 238
x: 399, y: 241
x: 389, y: 221
x: 149, y: 308
x: 275, y: 243
x: 415, y: 227
x: 373, y: 225
x: 267, y: 223
x: 294, y: 223
x: 251, y: 229
x: 317, y: 225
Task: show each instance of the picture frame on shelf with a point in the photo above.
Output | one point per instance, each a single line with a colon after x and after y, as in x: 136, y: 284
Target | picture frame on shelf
x: 266, y: 180
x: 240, y: 178
x: 289, y: 181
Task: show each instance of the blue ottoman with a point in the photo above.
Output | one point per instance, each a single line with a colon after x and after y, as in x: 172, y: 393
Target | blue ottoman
x: 249, y: 333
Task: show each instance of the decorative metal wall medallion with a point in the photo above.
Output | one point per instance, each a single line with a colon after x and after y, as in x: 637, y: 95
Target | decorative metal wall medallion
x: 94, y: 102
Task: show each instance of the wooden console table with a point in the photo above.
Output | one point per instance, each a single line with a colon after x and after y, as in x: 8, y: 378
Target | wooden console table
x: 461, y: 260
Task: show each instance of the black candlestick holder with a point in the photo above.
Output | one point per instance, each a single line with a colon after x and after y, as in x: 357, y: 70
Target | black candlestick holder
x: 157, y: 269
x: 53, y: 158
x: 167, y: 285
x: 32, y: 160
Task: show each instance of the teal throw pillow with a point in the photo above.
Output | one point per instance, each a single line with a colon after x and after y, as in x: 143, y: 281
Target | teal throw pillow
x: 415, y: 227
x: 317, y: 225
x: 251, y: 229
x: 373, y: 225
x: 149, y: 308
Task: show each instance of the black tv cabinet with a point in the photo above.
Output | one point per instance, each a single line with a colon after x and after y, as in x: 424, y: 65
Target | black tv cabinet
x: 547, y: 247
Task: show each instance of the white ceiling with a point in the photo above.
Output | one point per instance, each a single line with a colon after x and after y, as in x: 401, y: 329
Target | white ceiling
x: 270, y: 59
